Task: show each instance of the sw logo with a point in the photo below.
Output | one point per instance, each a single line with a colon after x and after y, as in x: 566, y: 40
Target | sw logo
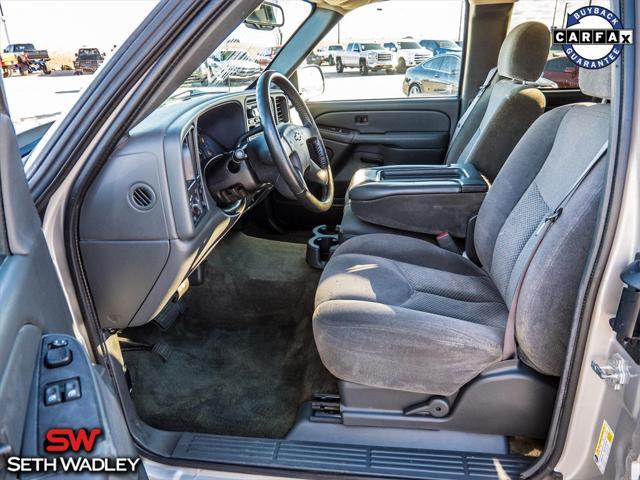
x: 60, y: 440
x: 67, y: 440
x: 593, y: 37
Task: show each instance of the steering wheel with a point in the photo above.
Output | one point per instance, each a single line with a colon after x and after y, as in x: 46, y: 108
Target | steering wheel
x: 298, y: 152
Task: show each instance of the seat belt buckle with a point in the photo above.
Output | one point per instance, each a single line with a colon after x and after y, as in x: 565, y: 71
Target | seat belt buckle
x: 445, y: 241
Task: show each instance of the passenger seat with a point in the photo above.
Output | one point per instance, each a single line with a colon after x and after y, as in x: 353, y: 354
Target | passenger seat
x: 513, y: 103
x: 504, y: 109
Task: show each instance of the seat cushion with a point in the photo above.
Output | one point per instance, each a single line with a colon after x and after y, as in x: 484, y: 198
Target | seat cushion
x: 401, y: 313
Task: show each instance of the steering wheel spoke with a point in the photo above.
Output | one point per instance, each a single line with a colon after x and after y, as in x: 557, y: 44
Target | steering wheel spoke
x: 316, y: 174
x: 298, y: 152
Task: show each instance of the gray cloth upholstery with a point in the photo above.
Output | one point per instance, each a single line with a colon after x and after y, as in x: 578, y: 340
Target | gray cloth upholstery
x: 511, y: 110
x: 524, y: 52
x: 512, y: 106
x: 596, y: 83
x: 397, y: 312
x: 542, y: 168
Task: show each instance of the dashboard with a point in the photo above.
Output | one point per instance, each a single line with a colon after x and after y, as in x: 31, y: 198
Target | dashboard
x: 149, y: 218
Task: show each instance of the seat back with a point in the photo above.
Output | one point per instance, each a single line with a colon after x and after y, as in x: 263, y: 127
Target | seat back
x: 490, y: 134
x: 542, y: 168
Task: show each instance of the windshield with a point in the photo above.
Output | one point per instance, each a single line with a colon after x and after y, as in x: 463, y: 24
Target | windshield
x: 245, y: 53
x: 371, y: 46
x: 448, y: 44
x: 231, y: 55
x: 21, y: 47
x: 409, y: 45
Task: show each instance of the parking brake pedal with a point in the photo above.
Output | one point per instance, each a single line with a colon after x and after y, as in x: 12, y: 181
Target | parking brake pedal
x: 160, y: 348
x: 169, y: 314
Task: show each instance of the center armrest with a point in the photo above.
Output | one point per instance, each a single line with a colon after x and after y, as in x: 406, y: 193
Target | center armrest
x: 426, y: 199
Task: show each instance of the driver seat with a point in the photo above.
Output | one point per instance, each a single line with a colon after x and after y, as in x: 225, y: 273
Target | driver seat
x: 396, y: 312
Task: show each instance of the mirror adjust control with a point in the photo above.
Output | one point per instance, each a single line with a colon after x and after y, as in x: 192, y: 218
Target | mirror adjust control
x: 52, y: 395
x: 58, y: 357
x: 72, y: 390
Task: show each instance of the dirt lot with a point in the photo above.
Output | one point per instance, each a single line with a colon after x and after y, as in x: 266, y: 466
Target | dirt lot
x: 36, y: 98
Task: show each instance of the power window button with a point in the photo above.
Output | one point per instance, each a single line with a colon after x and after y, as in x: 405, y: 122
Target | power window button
x: 72, y: 390
x: 52, y: 395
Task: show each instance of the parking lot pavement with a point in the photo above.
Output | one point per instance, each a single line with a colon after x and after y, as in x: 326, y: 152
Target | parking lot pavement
x: 351, y: 85
x: 35, y: 98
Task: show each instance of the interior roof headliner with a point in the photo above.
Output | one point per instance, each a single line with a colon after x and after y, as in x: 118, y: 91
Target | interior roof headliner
x: 345, y: 6
x: 342, y: 6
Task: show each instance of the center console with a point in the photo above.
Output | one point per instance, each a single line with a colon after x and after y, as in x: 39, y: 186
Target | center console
x: 417, y: 200
x: 424, y: 199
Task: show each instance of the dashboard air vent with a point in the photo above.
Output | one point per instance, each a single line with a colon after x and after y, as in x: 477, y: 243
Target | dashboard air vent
x: 142, y: 196
x: 282, y: 109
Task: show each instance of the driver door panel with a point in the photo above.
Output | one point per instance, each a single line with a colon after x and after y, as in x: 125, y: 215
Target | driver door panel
x: 365, y: 133
x: 34, y: 311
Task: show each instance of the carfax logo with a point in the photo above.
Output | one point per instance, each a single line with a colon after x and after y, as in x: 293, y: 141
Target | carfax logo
x: 593, y: 38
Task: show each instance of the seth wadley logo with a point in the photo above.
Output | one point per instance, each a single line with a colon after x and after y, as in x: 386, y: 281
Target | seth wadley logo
x: 593, y: 38
x: 65, y: 440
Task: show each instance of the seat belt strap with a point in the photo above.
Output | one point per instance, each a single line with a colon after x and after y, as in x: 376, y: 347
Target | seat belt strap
x: 490, y: 76
x: 509, y: 347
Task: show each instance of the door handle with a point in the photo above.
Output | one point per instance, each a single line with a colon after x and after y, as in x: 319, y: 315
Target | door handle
x: 362, y: 119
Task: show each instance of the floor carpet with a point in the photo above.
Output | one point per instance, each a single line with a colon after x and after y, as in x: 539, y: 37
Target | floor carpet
x: 243, y: 357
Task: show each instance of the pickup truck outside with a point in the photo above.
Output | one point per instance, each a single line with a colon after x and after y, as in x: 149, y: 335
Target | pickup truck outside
x: 328, y: 54
x: 87, y: 60
x: 25, y: 58
x: 409, y: 53
x: 365, y: 57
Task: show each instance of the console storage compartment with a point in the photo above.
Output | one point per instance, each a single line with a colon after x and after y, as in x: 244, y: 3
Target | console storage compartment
x: 427, y: 199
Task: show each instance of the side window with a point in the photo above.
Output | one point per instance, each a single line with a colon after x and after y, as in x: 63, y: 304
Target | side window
x: 435, y: 64
x: 559, y: 71
x: 393, y: 40
x: 449, y: 64
x: 50, y: 51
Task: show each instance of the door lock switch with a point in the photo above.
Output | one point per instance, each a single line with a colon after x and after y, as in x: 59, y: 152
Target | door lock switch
x: 58, y: 357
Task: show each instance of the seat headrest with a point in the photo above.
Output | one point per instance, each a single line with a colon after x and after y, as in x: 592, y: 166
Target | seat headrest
x: 596, y: 83
x: 524, y: 52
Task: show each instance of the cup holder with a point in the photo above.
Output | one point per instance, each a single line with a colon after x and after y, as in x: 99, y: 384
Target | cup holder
x: 326, y: 230
x: 321, y: 246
